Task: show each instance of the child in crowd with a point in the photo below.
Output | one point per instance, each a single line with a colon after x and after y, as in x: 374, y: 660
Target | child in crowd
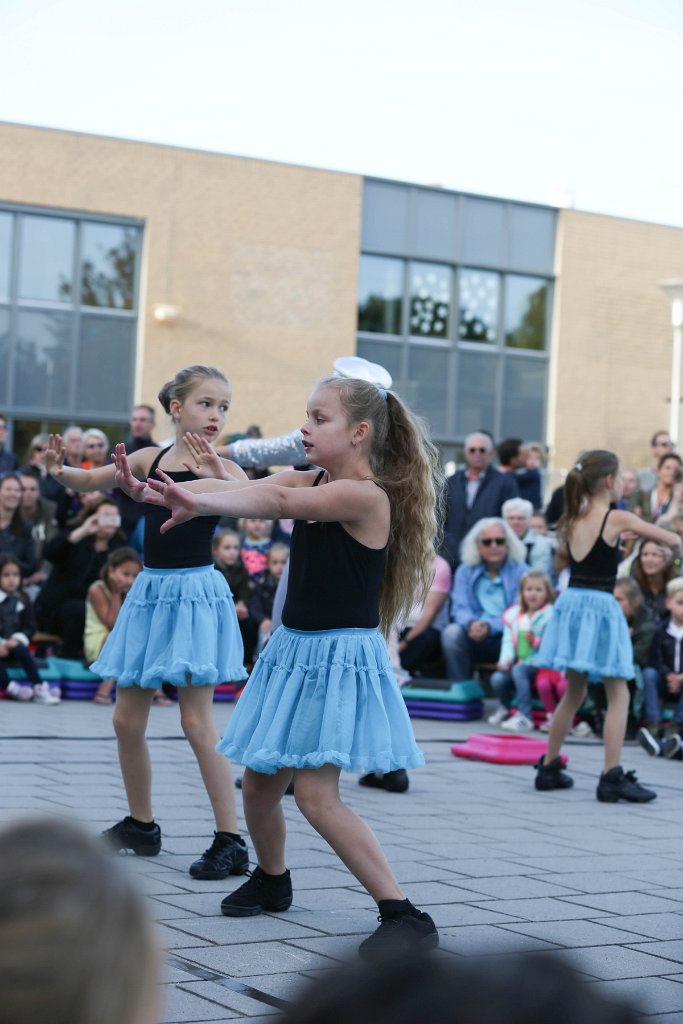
x: 102, y: 606
x: 226, y: 559
x: 265, y: 585
x: 587, y: 635
x: 663, y: 679
x: 17, y: 626
x: 641, y: 626
x: 255, y: 544
x: 523, y: 626
x: 322, y: 695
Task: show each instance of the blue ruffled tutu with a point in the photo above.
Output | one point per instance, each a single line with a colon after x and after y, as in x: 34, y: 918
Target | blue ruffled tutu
x: 175, y: 625
x: 587, y: 632
x: 322, y: 697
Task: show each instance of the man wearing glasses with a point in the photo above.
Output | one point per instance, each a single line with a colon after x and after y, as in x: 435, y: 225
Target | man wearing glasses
x: 660, y: 444
x: 473, y: 493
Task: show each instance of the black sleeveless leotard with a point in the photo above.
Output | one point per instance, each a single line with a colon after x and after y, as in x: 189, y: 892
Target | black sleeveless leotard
x: 334, y: 580
x: 183, y: 547
x: 598, y: 570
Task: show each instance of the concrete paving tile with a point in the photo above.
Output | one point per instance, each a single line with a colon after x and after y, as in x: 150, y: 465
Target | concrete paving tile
x: 240, y: 1003
x: 650, y: 995
x: 657, y: 926
x: 612, y: 962
x: 333, y: 899
x: 671, y: 949
x: 227, y: 931
x: 485, y: 939
x: 574, y: 933
x: 183, y: 1006
x: 538, y: 909
x: 618, y: 902
x: 515, y: 887
x: 264, y: 958
x: 337, y: 947
x: 596, y: 882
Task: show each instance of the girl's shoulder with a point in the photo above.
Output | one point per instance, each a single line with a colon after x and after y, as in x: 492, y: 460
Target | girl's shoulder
x: 512, y: 614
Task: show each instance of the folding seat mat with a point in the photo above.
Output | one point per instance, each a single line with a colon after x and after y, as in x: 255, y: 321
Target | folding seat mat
x: 224, y: 692
x: 502, y: 749
x: 72, y: 669
x: 79, y: 689
x: 48, y: 674
x: 455, y: 692
x: 460, y: 707
x: 444, y: 711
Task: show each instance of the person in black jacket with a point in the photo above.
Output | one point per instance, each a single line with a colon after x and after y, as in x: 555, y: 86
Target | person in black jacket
x: 663, y: 678
x: 473, y: 493
x: 17, y: 626
x: 16, y: 537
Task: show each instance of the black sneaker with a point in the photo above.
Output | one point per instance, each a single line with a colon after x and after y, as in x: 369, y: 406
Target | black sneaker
x: 126, y: 835
x: 226, y: 856
x: 552, y: 776
x: 261, y: 892
x: 670, y: 746
x: 401, y: 931
x: 649, y: 742
x: 616, y: 784
x: 394, y: 782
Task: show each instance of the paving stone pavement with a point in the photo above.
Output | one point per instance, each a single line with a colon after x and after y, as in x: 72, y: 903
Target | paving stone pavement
x: 499, y: 866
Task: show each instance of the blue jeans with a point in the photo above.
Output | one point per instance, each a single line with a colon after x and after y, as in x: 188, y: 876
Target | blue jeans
x: 656, y: 691
x: 518, y: 681
x: 460, y: 653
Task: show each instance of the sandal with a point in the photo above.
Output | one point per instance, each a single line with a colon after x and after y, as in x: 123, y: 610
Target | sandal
x: 102, y: 698
x: 161, y: 699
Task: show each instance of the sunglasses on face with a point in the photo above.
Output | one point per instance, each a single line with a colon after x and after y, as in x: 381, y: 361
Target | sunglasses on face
x: 477, y: 451
x: 488, y: 541
x: 38, y: 448
x: 96, y: 444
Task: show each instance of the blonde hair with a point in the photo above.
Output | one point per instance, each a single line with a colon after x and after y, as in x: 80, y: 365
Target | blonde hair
x: 674, y: 585
x: 469, y: 552
x: 187, y: 379
x: 536, y: 574
x: 406, y: 464
x: 77, y: 944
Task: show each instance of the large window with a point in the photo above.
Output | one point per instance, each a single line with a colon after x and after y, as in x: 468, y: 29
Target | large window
x: 68, y: 315
x: 380, y: 295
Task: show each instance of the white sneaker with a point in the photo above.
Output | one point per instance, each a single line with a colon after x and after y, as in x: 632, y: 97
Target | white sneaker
x: 42, y: 695
x: 18, y: 692
x: 498, y: 716
x: 545, y: 726
x: 518, y: 723
x: 582, y: 730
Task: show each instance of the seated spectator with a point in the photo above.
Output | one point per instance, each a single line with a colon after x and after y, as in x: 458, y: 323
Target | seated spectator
x: 485, y: 584
x: 40, y: 513
x: 510, y: 455
x: 641, y: 626
x: 8, y: 460
x: 530, y: 476
x: 660, y: 444
x: 77, y: 556
x: 419, y: 637
x: 652, y: 569
x: 262, y: 597
x: 555, y: 507
x: 661, y: 499
x: 255, y: 544
x: 226, y: 559
x: 103, y: 604
x: 72, y: 439
x: 517, y: 513
x: 17, y: 626
x: 35, y: 466
x: 15, y: 532
x: 96, y: 449
x: 74, y: 503
x: 77, y: 943
x: 663, y: 679
x: 633, y: 499
x: 515, y: 675
x: 539, y: 523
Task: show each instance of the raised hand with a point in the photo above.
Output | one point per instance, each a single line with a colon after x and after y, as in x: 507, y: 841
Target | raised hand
x: 183, y: 504
x: 124, y: 478
x: 204, y: 460
x: 54, y: 455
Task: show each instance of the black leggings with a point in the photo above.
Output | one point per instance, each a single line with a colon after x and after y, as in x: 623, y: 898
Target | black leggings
x: 22, y: 655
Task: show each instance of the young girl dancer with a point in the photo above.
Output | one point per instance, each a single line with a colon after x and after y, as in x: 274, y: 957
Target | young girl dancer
x: 177, y: 625
x: 322, y: 695
x: 588, y: 634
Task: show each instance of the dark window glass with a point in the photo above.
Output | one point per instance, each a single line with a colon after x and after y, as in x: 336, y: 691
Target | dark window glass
x: 526, y: 303
x: 479, y: 291
x: 5, y: 253
x: 388, y: 354
x: 430, y: 300
x: 4, y: 356
x: 426, y: 389
x: 380, y: 290
x: 476, y: 392
x: 46, y: 259
x: 105, y: 365
x: 42, y: 360
x: 108, y: 264
x: 524, y: 382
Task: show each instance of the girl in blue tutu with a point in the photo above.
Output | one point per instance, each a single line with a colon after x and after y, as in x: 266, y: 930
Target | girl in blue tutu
x: 322, y: 695
x: 177, y: 625
x: 587, y: 636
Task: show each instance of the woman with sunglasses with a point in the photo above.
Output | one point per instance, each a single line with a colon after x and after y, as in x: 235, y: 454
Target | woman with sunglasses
x: 486, y: 583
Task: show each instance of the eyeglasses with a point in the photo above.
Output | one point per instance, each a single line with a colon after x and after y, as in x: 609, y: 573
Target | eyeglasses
x: 94, y: 444
x: 475, y: 451
x: 38, y: 448
x: 488, y: 541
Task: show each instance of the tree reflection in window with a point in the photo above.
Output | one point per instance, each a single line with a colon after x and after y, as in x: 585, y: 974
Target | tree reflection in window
x: 108, y: 266
x: 526, y: 303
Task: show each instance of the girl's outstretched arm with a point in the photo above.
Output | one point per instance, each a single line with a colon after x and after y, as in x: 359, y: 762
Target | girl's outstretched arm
x: 620, y: 520
x: 205, y: 461
x: 101, y: 479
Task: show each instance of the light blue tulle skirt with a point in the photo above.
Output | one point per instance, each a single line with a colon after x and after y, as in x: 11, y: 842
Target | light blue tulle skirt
x: 587, y: 632
x: 322, y: 697
x: 175, y: 626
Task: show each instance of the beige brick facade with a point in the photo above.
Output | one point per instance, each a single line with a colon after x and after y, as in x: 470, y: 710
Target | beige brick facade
x: 261, y: 258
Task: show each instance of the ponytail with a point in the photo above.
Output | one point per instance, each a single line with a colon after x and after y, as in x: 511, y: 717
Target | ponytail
x: 584, y: 480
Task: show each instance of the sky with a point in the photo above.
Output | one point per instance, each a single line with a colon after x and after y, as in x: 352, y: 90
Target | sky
x: 568, y: 102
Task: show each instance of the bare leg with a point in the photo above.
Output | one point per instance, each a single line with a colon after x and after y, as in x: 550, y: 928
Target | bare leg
x: 614, y: 730
x: 196, y: 718
x: 130, y: 722
x: 565, y: 711
x: 316, y: 792
x: 262, y: 795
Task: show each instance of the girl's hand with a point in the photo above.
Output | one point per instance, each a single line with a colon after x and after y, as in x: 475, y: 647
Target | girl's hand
x: 54, y: 455
x: 183, y: 504
x: 124, y: 479
x: 205, y: 460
